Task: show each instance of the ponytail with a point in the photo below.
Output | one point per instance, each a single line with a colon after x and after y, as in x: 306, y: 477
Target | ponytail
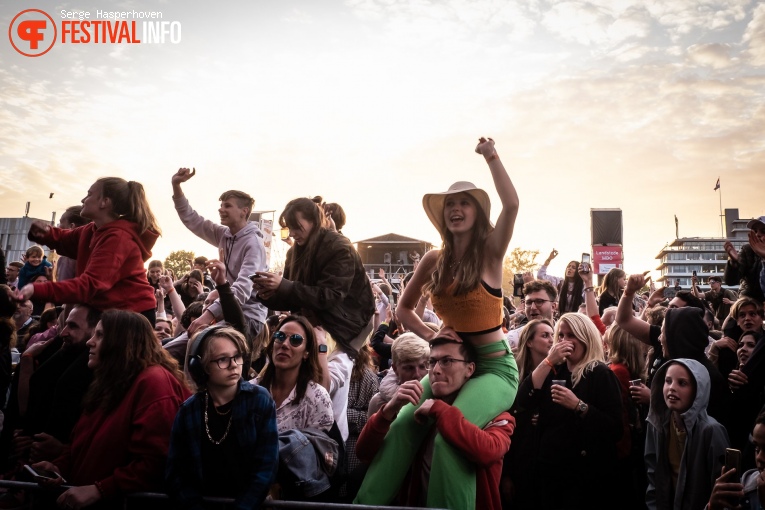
x: 129, y: 202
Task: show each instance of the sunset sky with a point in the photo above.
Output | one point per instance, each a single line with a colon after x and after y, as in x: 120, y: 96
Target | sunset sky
x: 634, y: 104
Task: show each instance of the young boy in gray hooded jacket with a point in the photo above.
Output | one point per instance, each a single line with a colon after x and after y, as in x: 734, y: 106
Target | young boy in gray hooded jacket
x: 685, y: 447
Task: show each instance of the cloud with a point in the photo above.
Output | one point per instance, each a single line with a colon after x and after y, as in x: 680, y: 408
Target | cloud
x: 712, y: 55
x: 754, y: 37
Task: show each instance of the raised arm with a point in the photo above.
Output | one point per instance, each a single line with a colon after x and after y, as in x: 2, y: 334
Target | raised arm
x: 624, y: 316
x: 585, y: 273
x: 166, y: 283
x: 407, y: 304
x: 503, y: 231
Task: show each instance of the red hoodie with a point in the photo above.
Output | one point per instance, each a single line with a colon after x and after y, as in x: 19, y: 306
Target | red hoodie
x: 110, y: 271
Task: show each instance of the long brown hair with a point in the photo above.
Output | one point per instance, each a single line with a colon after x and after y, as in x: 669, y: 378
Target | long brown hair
x: 523, y: 358
x: 310, y: 370
x: 362, y: 362
x: 625, y: 349
x: 127, y: 348
x: 299, y: 258
x: 129, y: 202
x: 611, y: 282
x: 468, y: 273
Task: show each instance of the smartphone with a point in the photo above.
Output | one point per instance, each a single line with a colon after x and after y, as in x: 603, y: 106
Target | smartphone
x: 733, y: 460
x: 42, y: 474
x: 694, y: 273
x: 254, y: 276
x: 518, y: 284
x: 585, y: 258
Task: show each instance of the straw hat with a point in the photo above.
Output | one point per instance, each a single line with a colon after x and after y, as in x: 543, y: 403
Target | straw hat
x: 433, y: 203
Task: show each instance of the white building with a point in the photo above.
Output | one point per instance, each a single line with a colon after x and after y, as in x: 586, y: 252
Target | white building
x: 705, y: 255
x: 13, y: 237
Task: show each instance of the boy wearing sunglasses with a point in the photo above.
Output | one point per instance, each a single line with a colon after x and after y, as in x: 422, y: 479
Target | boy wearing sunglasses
x: 450, y: 365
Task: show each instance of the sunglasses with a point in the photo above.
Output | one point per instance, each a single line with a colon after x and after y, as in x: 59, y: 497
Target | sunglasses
x: 295, y: 339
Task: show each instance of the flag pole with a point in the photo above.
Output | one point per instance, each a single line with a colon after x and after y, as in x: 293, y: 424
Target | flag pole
x: 722, y: 227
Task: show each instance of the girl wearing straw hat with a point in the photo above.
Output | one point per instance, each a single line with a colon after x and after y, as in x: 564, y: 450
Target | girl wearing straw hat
x: 464, y: 279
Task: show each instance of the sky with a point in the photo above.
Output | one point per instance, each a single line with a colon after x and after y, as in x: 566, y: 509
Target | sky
x: 630, y: 104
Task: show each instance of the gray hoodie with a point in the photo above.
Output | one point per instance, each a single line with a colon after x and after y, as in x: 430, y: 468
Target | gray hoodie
x: 704, y: 451
x: 242, y: 253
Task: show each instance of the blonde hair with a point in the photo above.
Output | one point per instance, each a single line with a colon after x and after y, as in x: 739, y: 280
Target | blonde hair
x: 586, y: 332
x: 409, y: 347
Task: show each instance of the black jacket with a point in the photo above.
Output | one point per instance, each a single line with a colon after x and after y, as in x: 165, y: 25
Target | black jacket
x: 745, y: 273
x: 336, y: 293
x: 576, y: 455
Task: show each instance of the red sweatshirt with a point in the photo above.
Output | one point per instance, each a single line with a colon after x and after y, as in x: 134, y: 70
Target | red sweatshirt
x: 126, y: 449
x: 110, y: 272
x: 485, y: 447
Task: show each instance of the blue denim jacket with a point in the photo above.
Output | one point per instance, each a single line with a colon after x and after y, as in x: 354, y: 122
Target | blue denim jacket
x: 254, y: 425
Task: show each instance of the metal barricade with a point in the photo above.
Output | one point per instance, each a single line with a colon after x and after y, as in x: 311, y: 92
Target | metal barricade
x: 134, y: 500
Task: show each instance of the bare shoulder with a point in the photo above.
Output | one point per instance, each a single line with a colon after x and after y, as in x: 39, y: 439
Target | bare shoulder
x: 429, y: 259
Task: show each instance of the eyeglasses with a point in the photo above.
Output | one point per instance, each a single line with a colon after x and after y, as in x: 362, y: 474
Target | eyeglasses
x: 226, y: 361
x: 296, y: 340
x: 537, y: 302
x: 444, y: 362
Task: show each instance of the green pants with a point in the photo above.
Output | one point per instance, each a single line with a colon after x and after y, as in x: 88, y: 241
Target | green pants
x: 452, y: 483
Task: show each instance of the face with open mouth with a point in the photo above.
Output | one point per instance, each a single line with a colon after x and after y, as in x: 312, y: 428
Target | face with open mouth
x: 749, y: 318
x: 679, y: 388
x: 459, y: 212
x: 231, y: 212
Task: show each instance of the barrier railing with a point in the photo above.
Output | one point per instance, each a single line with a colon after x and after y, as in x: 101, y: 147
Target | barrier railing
x: 134, y: 500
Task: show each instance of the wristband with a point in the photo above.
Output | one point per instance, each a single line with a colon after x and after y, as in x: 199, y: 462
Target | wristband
x: 552, y: 367
x: 100, y: 489
x: 492, y: 157
x: 589, y: 289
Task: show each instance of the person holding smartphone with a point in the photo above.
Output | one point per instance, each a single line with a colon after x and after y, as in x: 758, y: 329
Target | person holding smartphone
x: 748, y: 493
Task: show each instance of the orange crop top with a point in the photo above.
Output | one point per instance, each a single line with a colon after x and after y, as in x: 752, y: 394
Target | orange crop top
x: 477, y: 312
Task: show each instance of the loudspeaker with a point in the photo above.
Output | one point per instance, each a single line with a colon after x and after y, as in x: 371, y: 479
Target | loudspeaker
x: 606, y: 226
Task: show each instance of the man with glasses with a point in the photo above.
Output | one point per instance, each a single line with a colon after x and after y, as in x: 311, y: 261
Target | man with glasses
x: 12, y: 274
x: 450, y: 365
x: 540, y: 302
x: 720, y: 299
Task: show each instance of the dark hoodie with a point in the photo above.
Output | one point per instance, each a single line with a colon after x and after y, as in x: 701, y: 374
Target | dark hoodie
x: 687, y: 336
x: 110, y: 266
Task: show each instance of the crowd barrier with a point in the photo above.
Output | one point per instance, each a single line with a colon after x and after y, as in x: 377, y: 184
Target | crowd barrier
x: 135, y: 500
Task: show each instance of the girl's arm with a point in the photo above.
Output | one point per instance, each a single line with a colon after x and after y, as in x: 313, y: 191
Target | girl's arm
x: 503, y: 231
x: 408, y: 302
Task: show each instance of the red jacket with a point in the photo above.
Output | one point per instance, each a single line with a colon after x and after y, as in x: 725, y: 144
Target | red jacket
x: 126, y: 449
x: 110, y: 271
x: 485, y: 447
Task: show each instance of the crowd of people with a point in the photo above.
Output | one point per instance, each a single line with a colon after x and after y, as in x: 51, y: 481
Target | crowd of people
x: 230, y: 384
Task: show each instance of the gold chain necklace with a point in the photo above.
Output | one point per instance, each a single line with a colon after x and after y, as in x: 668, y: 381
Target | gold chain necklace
x: 207, y: 426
